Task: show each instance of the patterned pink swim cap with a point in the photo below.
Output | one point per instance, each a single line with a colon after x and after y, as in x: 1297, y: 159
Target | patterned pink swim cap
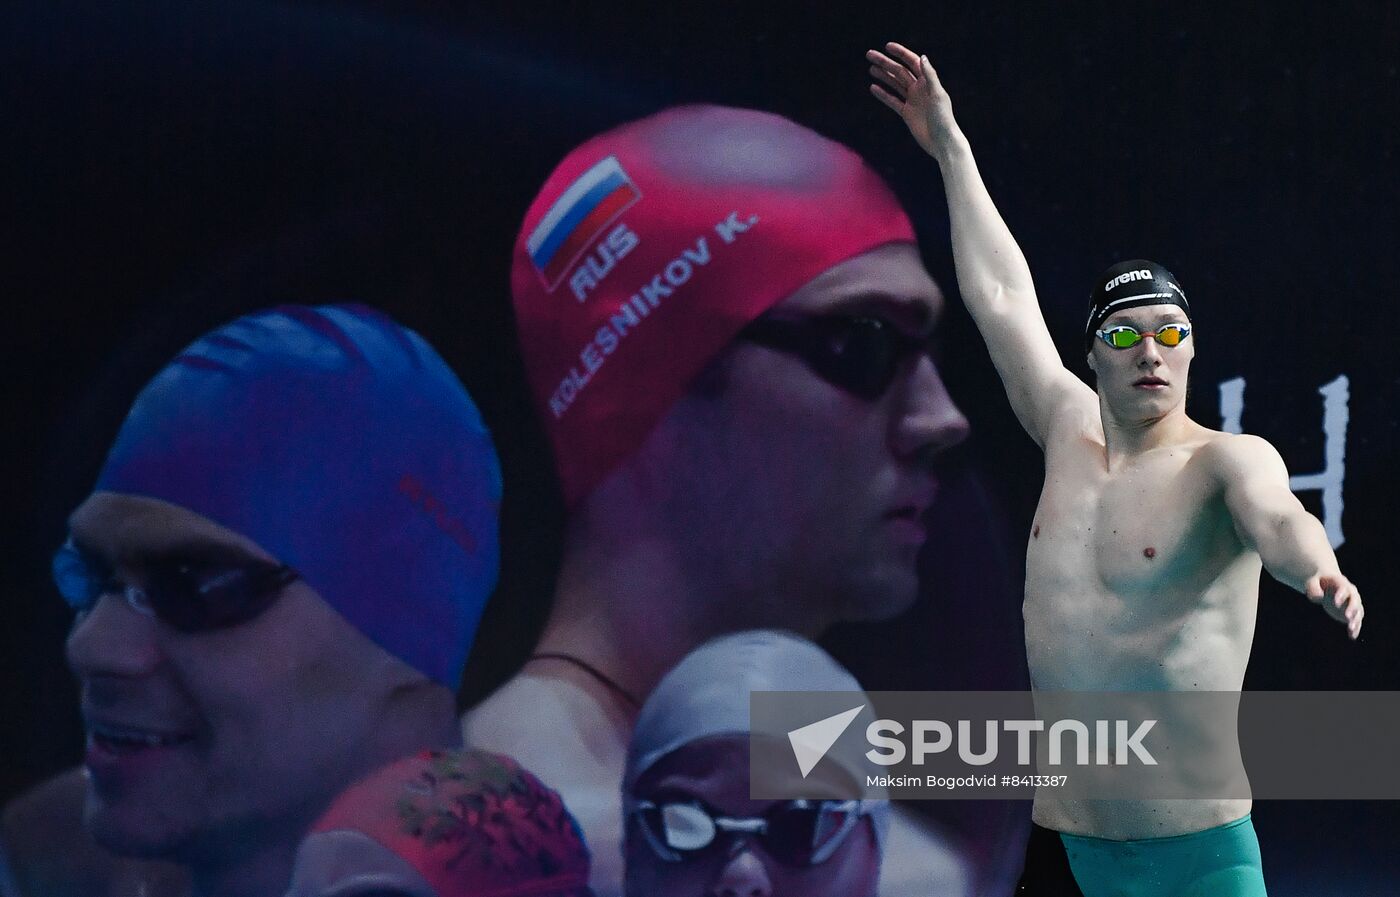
x: 465, y: 823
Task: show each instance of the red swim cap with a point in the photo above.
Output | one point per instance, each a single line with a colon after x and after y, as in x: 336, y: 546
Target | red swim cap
x: 652, y: 245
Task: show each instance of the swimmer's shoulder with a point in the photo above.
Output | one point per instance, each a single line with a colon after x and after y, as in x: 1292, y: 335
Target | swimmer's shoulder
x: 548, y: 725
x: 522, y: 709
x: 1229, y: 457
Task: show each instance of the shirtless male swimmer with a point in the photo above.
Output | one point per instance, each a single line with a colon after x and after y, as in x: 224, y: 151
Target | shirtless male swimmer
x: 1151, y: 529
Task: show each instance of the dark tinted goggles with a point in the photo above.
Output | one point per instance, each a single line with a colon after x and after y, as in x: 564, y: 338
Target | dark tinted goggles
x: 858, y: 354
x: 189, y: 594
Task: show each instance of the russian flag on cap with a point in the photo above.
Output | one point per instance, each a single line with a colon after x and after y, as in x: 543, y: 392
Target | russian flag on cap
x: 577, y: 217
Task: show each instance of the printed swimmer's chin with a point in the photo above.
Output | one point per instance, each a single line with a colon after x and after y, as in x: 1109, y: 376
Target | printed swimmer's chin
x: 133, y: 805
x: 888, y: 589
x: 127, y: 830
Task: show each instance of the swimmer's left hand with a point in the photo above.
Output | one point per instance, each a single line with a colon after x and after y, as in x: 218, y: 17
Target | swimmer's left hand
x: 1339, y: 598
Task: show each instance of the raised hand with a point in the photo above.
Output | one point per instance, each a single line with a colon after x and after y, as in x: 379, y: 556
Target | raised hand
x: 907, y: 83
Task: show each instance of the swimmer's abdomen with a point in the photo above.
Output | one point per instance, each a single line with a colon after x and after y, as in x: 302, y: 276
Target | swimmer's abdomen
x: 1088, y: 639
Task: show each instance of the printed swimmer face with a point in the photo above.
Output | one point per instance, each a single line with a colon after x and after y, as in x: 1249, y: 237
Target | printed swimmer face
x: 204, y: 741
x: 808, y: 497
x: 713, y: 772
x: 1147, y: 381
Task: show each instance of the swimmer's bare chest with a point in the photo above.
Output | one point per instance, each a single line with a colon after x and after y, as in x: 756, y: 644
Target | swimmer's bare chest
x: 1135, y: 578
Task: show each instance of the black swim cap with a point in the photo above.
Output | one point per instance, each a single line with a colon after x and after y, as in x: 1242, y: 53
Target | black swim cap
x: 1128, y: 285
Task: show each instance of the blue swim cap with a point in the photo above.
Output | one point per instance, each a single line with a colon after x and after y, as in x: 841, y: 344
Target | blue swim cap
x: 342, y: 444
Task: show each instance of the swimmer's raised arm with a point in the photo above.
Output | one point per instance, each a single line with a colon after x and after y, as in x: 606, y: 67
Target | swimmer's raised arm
x: 993, y: 276
x: 1270, y: 520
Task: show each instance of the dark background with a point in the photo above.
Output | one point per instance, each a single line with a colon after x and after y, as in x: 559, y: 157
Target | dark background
x: 168, y: 167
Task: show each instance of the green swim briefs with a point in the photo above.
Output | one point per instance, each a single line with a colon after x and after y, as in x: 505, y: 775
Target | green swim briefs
x: 1218, y: 862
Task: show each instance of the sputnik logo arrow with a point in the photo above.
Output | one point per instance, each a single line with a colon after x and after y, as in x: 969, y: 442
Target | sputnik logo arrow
x: 811, y: 742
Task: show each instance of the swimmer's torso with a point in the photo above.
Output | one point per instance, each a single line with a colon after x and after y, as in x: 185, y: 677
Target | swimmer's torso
x: 1136, y: 581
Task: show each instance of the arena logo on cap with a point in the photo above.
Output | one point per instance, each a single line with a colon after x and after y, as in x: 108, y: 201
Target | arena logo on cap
x: 1128, y: 277
x: 584, y: 210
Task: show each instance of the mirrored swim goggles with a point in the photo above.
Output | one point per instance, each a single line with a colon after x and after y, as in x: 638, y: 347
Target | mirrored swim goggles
x: 192, y: 592
x: 861, y: 355
x: 1125, y: 337
x: 796, y: 833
